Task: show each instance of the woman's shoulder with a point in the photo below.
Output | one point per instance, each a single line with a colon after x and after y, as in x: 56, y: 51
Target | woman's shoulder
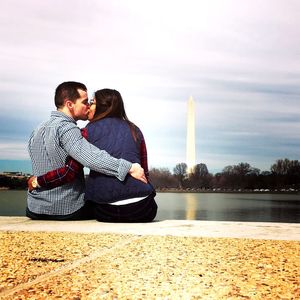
x: 113, y: 121
x: 107, y: 122
x: 99, y: 122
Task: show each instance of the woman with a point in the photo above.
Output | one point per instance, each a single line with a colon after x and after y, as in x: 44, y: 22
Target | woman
x: 110, y: 129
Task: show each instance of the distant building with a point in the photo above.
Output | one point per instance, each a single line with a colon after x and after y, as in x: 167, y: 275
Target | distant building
x: 14, y: 174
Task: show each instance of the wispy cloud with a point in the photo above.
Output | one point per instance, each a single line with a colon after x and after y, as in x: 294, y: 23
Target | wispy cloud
x: 13, y: 150
x: 238, y: 59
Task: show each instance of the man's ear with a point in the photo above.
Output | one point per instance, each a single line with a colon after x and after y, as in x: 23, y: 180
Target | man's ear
x: 69, y: 104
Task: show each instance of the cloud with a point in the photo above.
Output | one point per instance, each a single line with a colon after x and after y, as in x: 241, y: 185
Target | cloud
x: 13, y: 150
x: 238, y: 59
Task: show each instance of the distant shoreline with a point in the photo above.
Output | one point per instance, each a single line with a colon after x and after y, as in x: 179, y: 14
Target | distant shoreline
x: 178, y: 191
x: 224, y: 191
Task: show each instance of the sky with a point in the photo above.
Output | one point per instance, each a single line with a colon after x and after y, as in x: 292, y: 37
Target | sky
x: 239, y: 60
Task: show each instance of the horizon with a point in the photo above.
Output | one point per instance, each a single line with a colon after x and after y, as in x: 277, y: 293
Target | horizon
x: 24, y: 166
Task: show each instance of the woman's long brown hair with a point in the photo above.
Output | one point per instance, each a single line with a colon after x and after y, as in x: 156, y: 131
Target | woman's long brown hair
x: 109, y: 103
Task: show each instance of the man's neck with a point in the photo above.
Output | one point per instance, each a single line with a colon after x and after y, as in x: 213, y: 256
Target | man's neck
x: 65, y: 111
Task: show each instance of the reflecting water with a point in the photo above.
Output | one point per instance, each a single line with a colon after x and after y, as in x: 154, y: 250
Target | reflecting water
x: 191, y: 207
x: 199, y: 206
x: 229, y: 207
x: 12, y: 203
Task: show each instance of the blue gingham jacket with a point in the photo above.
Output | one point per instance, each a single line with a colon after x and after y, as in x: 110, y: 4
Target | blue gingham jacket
x: 49, y: 145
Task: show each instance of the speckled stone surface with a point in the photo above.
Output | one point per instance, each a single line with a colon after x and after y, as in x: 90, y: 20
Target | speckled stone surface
x: 107, y: 265
x: 256, y: 230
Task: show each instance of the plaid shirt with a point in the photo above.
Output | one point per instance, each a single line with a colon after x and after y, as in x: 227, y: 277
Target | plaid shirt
x: 49, y: 146
x: 74, y: 169
x: 63, y: 175
x: 144, y: 158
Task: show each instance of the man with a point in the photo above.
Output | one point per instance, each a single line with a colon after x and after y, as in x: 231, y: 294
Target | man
x: 56, y: 139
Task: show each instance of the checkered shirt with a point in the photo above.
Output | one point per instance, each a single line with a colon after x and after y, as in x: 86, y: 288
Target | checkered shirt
x: 49, y: 146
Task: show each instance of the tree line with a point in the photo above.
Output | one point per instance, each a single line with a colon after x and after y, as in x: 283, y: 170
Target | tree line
x: 284, y: 175
x: 13, y: 182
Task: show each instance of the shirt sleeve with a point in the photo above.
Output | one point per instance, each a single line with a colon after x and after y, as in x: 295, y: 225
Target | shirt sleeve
x: 61, y: 176
x: 90, y: 156
x: 143, y: 156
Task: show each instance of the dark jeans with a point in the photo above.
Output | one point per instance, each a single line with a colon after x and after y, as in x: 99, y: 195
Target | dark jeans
x: 84, y: 213
x: 138, y: 212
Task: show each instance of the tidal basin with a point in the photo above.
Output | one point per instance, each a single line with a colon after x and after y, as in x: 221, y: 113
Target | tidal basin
x: 245, y: 207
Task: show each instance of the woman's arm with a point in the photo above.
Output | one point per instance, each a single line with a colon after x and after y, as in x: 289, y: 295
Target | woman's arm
x: 68, y: 173
x: 58, y: 177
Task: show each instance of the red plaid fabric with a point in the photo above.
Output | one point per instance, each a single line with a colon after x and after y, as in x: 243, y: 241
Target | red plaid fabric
x: 144, y: 157
x: 63, y: 175
x: 84, y: 133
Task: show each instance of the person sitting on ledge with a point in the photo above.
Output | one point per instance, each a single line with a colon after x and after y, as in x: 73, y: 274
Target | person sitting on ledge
x: 56, y: 139
x: 110, y: 199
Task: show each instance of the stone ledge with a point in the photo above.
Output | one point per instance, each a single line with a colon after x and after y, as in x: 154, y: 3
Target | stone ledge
x: 189, y: 228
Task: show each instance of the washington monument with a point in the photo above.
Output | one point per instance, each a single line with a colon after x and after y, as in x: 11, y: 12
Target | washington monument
x: 190, y: 136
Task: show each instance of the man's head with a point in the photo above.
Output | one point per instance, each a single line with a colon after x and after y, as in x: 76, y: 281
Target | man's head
x: 72, y: 98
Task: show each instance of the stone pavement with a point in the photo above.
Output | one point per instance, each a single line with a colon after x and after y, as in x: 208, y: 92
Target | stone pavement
x: 253, y: 230
x: 171, y: 259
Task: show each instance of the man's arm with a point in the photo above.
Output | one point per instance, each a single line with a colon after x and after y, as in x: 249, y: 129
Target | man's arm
x: 92, y: 157
x: 70, y: 171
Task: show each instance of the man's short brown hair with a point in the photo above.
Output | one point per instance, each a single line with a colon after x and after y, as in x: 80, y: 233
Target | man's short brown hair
x: 68, y: 90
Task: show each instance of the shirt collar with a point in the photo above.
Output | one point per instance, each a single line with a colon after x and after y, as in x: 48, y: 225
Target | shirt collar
x: 59, y: 114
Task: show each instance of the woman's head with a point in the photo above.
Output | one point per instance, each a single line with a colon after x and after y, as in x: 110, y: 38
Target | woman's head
x: 107, y: 103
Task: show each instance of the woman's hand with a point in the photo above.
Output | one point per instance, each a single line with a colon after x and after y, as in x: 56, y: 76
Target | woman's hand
x: 32, y: 183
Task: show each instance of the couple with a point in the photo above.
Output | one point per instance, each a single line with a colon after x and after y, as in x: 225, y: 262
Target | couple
x: 117, y: 189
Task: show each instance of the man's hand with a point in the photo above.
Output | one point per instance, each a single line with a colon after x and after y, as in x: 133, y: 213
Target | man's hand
x: 137, y: 172
x: 31, y: 183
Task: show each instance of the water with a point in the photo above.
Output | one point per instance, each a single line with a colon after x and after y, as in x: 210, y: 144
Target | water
x: 230, y: 207
x: 12, y: 203
x: 202, y: 206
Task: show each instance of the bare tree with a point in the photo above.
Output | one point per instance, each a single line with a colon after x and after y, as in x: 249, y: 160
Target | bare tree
x: 162, y: 178
x: 285, y: 166
x: 200, y: 170
x: 180, y: 172
x: 200, y: 177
